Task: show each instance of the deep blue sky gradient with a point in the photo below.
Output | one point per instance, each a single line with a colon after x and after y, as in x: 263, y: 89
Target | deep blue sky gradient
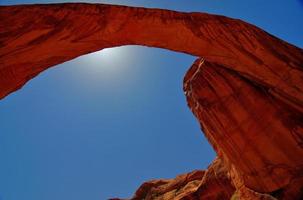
x: 100, y: 125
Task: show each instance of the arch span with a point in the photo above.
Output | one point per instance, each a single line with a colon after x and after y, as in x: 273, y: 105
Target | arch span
x: 247, y: 92
x: 61, y: 32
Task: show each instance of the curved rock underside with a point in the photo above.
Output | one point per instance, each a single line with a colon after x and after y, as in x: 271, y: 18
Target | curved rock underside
x: 246, y: 87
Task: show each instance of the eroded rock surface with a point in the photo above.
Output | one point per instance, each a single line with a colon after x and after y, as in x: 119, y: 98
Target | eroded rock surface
x: 246, y: 89
x: 255, y: 133
x: 213, y: 183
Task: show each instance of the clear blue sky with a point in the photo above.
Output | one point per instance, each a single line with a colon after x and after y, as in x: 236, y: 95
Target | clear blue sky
x: 100, y: 125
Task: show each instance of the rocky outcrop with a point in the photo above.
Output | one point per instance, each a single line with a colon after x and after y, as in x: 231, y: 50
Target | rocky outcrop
x: 257, y: 135
x: 246, y: 89
x: 214, y: 183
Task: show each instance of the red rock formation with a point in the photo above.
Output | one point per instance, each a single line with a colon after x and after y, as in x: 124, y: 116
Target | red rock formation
x: 257, y: 135
x: 246, y: 89
x: 214, y: 183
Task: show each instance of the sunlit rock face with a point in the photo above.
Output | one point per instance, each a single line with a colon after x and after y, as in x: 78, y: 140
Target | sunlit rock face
x: 213, y: 183
x: 257, y: 135
x: 246, y: 89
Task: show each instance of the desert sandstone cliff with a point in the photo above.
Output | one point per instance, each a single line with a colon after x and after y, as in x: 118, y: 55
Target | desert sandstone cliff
x: 246, y: 87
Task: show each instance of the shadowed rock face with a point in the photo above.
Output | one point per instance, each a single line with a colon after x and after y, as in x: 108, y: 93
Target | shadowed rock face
x: 246, y: 89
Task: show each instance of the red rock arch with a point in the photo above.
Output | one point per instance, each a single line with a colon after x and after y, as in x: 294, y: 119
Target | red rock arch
x: 247, y: 92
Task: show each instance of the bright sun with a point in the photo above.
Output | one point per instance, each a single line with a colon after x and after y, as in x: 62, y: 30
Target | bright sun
x: 111, y: 58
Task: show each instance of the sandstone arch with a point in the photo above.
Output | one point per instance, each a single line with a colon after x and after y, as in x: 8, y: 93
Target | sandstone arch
x: 246, y: 88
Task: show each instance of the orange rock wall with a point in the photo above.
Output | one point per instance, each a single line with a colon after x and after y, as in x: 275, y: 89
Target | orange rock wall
x: 258, y: 136
x: 246, y: 89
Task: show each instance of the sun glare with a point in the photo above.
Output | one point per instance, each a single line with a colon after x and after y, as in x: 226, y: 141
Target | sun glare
x: 109, y: 59
x: 111, y: 67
